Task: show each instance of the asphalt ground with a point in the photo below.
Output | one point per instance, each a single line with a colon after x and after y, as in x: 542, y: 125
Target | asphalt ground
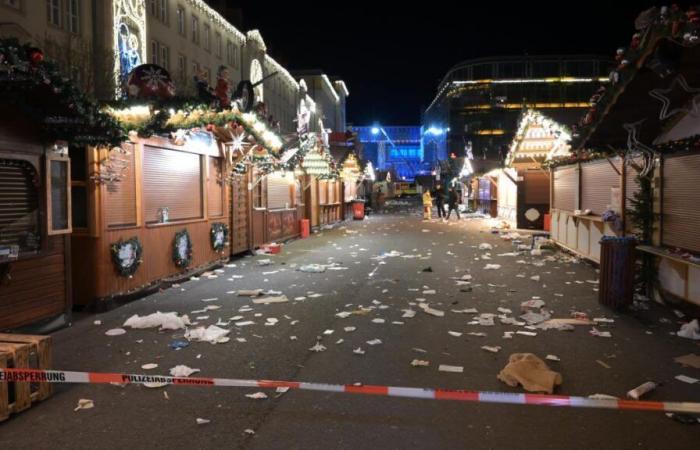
x: 642, y: 348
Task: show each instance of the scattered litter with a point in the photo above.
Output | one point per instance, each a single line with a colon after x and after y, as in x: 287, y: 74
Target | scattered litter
x: 358, y: 351
x: 492, y: 267
x: 374, y: 342
x: 494, y: 349
x: 182, y: 371
x: 378, y: 321
x: 312, y: 268
x: 162, y: 321
x: 207, y: 300
x: 602, y: 397
x: 212, y: 334
x: 691, y: 360
x: 639, y: 391
x: 526, y: 333
x: 454, y: 333
x: 150, y: 366
x: 433, y: 312
x: 535, y: 304
x: 179, y: 344
x: 250, y: 293
x: 429, y: 292
x: 485, y: 246
x: 349, y: 329
x: 419, y: 350
x: 531, y: 372
x: 690, y: 331
x: 685, y: 419
x: 84, y: 403
x: 249, y: 431
x: 328, y: 332
x: 603, y: 320
x: 264, y: 262
x: 318, y: 348
x: 271, y: 322
x: 115, y: 332
x: 97, y: 322
x: 420, y: 363
x: 408, y: 314
x: 244, y: 323
x: 603, y: 364
x: 504, y: 311
x: 477, y: 334
x: 257, y: 396
x: 598, y: 333
x: 552, y: 358
x: 465, y: 311
x: 155, y: 385
x: 343, y: 314
x: 686, y: 379
x: 508, y: 334
x: 535, y: 278
x: 450, y: 369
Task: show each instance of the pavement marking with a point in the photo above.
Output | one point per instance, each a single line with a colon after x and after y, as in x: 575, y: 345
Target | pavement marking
x: 59, y: 376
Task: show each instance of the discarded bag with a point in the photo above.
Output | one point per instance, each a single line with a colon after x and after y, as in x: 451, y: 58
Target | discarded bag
x: 531, y: 372
x: 163, y: 321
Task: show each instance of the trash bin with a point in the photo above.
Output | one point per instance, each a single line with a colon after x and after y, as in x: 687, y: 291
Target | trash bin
x: 305, y: 228
x: 358, y: 209
x: 617, y: 255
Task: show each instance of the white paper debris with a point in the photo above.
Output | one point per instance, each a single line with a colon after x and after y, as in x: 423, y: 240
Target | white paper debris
x: 318, y: 348
x: 433, y: 312
x: 408, y: 314
x: 150, y: 366
x: 349, y: 329
x: 245, y: 323
x: 454, y: 333
x: 162, y: 321
x: 271, y: 300
x: 257, y: 396
x: 115, y: 332
x: 598, y: 333
x: 451, y: 369
x: 492, y: 267
x: 526, y: 333
x: 374, y: 342
x: 690, y: 330
x: 212, y: 334
x: 182, y: 371
x: 485, y: 246
x: 420, y: 363
x: 552, y: 358
x: 494, y: 349
x: 358, y: 351
x: 84, y: 403
x: 686, y: 379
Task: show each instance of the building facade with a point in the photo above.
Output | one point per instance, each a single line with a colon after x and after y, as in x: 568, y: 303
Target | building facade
x: 394, y: 149
x: 97, y: 44
x: 479, y: 101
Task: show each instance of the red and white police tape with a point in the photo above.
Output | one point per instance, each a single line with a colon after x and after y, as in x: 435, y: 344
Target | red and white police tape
x: 59, y: 376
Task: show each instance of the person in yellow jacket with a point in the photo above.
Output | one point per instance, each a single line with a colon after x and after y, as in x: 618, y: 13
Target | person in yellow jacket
x: 427, y: 205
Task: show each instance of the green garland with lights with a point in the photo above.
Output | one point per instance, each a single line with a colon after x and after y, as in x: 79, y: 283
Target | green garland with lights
x: 60, y: 107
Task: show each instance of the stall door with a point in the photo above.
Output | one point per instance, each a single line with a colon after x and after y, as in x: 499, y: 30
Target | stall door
x: 259, y: 222
x: 533, y: 199
x: 240, y: 216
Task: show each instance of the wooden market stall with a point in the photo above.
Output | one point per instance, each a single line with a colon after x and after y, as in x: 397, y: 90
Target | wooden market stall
x: 277, y: 207
x: 162, y: 216
x: 524, y: 185
x: 324, y: 192
x: 637, y: 150
x: 42, y: 115
x: 351, y: 176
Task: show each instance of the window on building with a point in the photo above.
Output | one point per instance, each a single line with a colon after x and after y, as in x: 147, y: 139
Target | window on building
x: 217, y: 45
x: 16, y: 4
x: 19, y: 219
x: 195, y: 68
x: 182, y: 67
x: 154, y: 52
x: 154, y: 7
x: 73, y: 10
x: 181, y: 20
x: 165, y: 57
x: 229, y: 53
x: 163, y: 11
x: 207, y: 44
x: 53, y: 12
x: 195, y: 29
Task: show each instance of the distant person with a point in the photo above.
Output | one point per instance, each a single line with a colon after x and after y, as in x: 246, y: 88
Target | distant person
x: 427, y: 205
x: 453, y: 203
x: 439, y: 196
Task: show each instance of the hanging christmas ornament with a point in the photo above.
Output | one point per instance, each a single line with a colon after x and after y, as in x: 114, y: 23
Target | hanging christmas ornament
x: 35, y: 55
x: 150, y: 81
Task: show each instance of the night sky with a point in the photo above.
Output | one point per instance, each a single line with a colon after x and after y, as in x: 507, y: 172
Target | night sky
x: 393, y: 57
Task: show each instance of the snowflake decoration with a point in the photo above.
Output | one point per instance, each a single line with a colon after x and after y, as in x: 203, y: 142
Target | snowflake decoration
x: 237, y: 142
x: 154, y: 77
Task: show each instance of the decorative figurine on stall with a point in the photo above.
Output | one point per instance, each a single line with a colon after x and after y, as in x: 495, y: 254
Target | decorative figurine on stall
x: 223, y: 87
x: 204, y: 92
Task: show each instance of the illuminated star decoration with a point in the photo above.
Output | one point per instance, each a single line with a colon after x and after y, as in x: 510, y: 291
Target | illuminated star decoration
x: 634, y: 145
x: 661, y: 95
x: 237, y: 142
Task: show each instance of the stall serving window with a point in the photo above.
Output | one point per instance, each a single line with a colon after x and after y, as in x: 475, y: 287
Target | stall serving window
x: 565, y: 188
x: 215, y: 187
x: 121, y: 196
x: 19, y: 209
x: 58, y: 194
x: 172, y: 185
x: 279, y: 193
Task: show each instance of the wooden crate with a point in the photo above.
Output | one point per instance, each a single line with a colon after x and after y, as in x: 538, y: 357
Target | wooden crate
x: 23, y: 352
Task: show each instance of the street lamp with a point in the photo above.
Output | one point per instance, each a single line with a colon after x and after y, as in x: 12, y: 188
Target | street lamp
x: 375, y: 130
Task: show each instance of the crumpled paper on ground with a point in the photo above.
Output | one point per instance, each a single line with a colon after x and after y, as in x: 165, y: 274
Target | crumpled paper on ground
x: 182, y: 371
x: 531, y: 372
x: 690, y: 331
x: 164, y: 321
x: 212, y: 334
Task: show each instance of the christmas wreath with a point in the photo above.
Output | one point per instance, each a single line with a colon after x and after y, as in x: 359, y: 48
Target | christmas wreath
x: 126, y: 256
x: 182, y: 249
x: 219, y: 235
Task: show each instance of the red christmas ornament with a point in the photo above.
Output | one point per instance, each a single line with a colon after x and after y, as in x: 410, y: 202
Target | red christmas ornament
x: 150, y: 81
x: 36, y: 56
x: 210, y: 127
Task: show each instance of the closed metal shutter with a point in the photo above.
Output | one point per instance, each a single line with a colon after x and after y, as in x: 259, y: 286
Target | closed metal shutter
x: 681, y: 215
x: 19, y: 205
x: 120, y: 197
x: 536, y: 187
x: 173, y: 180
x: 565, y: 188
x: 597, y: 180
x: 278, y: 195
x: 215, y: 188
x: 507, y: 191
